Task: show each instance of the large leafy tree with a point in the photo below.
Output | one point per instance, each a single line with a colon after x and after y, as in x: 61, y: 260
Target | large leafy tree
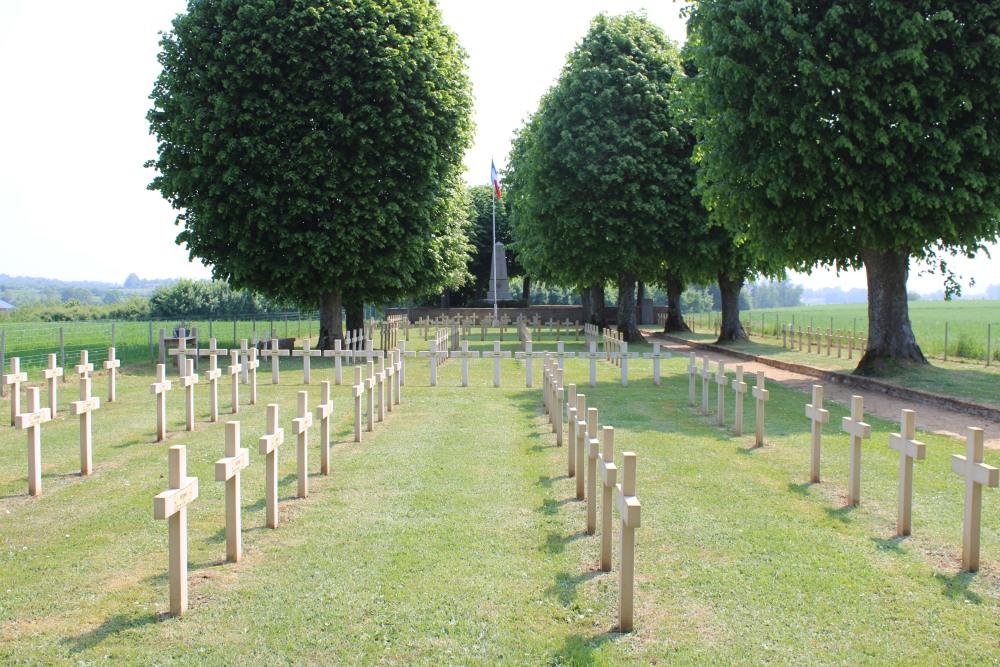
x: 851, y: 134
x: 314, y: 147
x: 597, y: 173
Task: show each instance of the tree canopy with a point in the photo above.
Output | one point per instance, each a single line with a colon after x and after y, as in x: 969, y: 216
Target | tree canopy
x: 599, y: 176
x: 314, y: 148
x: 851, y: 134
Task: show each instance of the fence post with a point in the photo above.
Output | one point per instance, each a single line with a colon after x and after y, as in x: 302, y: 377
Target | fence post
x: 62, y: 350
x: 946, y: 340
x: 3, y: 354
x: 989, y: 336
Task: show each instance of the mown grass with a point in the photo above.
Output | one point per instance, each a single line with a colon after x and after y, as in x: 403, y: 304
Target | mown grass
x: 450, y: 536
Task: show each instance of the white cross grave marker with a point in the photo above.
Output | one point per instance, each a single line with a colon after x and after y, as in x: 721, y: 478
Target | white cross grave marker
x: 251, y: 365
x: 762, y: 395
x: 300, y: 427
x: 977, y: 475
x: 160, y: 389
x: 213, y: 374
x: 84, y: 368
x: 656, y: 355
x: 357, y: 390
x: 909, y: 449
x: 52, y: 375
x: 581, y: 449
x: 465, y: 355
x: 180, y: 352
x: 269, y: 444
x: 858, y: 430
x: 630, y: 511
x: 227, y: 470
x: 234, y: 369
x: 609, y: 473
x: 172, y: 505
x: 323, y: 412
x: 31, y: 420
x: 276, y: 354
x: 571, y: 421
x: 692, y: 374
x: 528, y: 355
x: 497, y: 355
x: 740, y: 387
x: 721, y: 380
x: 14, y: 380
x: 306, y: 353
x: 706, y: 378
x: 84, y: 408
x: 593, y: 453
x: 188, y: 381
x: 593, y: 355
x: 818, y: 416
x: 111, y: 366
x: 370, y: 397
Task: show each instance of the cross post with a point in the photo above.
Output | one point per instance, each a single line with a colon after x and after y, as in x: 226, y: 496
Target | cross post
x: 31, y: 421
x: 740, y: 387
x: 609, y: 473
x: 630, y: 511
x: 84, y: 408
x: 761, y: 395
x: 14, y: 380
x: 323, y: 412
x: 268, y: 446
x: 818, y: 416
x: 909, y: 449
x: 160, y: 389
x: 227, y: 470
x: 977, y: 475
x: 858, y: 430
x: 300, y: 427
x: 172, y: 506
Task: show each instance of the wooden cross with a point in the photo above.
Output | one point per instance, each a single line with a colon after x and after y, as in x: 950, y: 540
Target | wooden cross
x: 581, y: 434
x: 977, y: 475
x: 593, y: 355
x: 31, y: 420
x: 111, y: 366
x: 550, y: 323
x: 172, y: 505
x: 858, y: 430
x: 609, y: 474
x: 338, y: 353
x: 465, y: 356
x: 840, y: 342
x: 234, y: 369
x: 84, y: 368
x: 809, y: 340
x: 593, y: 453
x: 14, y: 380
x: 390, y: 381
x: 357, y: 390
x: 180, y: 352
x: 160, y: 389
x: 252, y: 364
x: 623, y: 356
x: 656, y: 355
x: 630, y: 511
x: 370, y: 397
x: 528, y: 356
x: 227, y: 469
x: 576, y: 331
x: 692, y: 375
x: 213, y: 374
x: 188, y: 381
x: 721, y: 380
x: 306, y: 353
x: 380, y: 378
x: 818, y: 416
x: 268, y: 445
x: 800, y: 338
x: 276, y: 355
x: 300, y: 427
x: 909, y: 449
x: 51, y: 376
x: 84, y: 408
x: 403, y: 353
x: 740, y: 387
x: 244, y: 352
x: 762, y: 395
x: 706, y: 378
x: 557, y: 416
x: 323, y: 412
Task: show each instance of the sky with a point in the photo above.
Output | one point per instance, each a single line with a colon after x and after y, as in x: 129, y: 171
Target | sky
x: 76, y: 78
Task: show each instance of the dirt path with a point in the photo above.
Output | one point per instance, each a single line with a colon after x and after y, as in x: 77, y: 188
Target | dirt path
x: 930, y: 418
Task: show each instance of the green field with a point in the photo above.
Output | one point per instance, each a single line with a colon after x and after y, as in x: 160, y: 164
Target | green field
x: 450, y: 536
x: 970, y: 325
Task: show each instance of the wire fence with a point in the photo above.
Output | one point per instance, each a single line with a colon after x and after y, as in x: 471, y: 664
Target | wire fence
x: 961, y: 340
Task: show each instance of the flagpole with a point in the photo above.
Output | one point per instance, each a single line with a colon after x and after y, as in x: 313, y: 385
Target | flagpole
x: 494, y: 271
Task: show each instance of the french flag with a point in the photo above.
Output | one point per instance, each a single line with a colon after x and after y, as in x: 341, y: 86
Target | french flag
x: 495, y: 178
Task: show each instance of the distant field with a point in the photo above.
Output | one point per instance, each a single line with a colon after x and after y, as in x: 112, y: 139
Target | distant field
x: 973, y: 327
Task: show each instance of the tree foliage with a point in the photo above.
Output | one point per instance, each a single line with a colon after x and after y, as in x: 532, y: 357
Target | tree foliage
x: 204, y: 299
x: 314, y: 147
x: 599, y: 176
x: 848, y: 134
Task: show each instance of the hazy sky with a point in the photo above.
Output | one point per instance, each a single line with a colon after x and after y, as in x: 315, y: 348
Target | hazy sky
x: 76, y: 77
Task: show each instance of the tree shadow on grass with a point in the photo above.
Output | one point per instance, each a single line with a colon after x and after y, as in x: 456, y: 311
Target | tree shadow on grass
x: 579, y: 650
x: 842, y: 514
x: 565, y: 587
x: 893, y: 544
x: 801, y: 489
x: 550, y: 506
x: 556, y: 542
x: 111, y: 626
x: 955, y: 587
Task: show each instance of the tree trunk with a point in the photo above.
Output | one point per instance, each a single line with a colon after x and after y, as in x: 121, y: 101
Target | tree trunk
x: 587, y: 303
x: 526, y: 290
x: 592, y: 299
x: 355, y: 311
x: 675, y: 319
x: 445, y: 301
x: 890, y: 337
x: 732, y: 328
x: 641, y: 294
x: 330, y: 320
x: 627, y: 326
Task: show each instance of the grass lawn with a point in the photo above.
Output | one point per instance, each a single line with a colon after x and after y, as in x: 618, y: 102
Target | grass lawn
x: 450, y: 536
